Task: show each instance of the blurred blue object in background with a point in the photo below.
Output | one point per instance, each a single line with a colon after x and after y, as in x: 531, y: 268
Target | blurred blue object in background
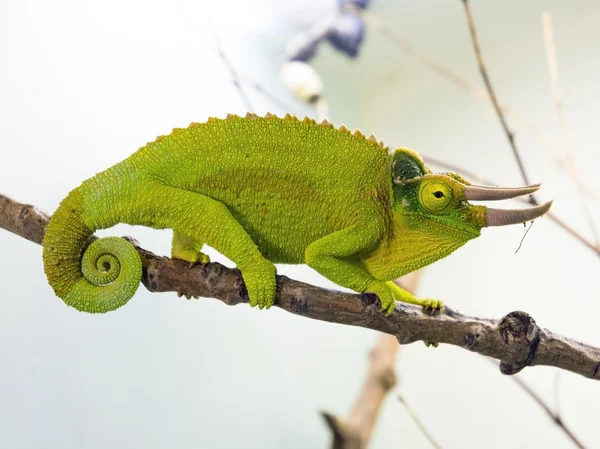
x: 347, y: 33
x: 358, y: 3
x: 304, y: 50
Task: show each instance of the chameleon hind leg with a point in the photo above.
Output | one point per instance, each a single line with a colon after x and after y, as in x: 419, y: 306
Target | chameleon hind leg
x: 200, y: 218
x: 188, y: 248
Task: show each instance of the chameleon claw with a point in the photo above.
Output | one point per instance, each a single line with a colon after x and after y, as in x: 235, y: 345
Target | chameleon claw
x: 179, y: 294
x: 431, y: 343
x: 432, y: 305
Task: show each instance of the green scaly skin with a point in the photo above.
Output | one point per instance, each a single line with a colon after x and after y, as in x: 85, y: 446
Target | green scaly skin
x: 261, y: 191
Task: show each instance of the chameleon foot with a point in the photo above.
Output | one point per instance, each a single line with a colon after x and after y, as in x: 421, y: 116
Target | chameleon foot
x: 404, y: 296
x: 431, y: 343
x: 260, y: 282
x: 433, y: 304
x: 385, y: 295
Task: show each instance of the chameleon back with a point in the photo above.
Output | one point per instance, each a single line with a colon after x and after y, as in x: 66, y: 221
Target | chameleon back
x: 278, y: 177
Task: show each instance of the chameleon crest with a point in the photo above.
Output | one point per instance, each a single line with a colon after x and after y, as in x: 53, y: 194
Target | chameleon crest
x: 266, y: 190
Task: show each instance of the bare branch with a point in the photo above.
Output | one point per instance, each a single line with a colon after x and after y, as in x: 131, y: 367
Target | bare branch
x: 419, y: 423
x: 232, y: 71
x: 516, y: 340
x: 442, y: 70
x: 558, y: 101
x: 555, y: 416
x: 488, y: 85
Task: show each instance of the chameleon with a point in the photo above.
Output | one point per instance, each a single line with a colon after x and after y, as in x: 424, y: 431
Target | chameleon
x: 268, y: 190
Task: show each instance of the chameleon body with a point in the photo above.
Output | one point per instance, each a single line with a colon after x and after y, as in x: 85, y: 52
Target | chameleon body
x: 262, y: 190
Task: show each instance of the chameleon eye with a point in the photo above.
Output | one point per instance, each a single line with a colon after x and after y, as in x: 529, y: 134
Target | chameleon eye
x: 435, y: 196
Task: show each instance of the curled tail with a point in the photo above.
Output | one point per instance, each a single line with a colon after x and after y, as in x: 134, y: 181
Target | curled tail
x: 94, y: 277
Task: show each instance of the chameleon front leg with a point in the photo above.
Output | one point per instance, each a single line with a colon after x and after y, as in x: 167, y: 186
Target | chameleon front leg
x: 198, y: 218
x: 332, y: 257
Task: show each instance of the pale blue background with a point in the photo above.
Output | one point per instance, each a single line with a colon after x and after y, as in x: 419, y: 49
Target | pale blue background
x: 84, y: 84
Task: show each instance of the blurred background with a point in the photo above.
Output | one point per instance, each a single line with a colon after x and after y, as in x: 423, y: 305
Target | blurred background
x: 84, y: 84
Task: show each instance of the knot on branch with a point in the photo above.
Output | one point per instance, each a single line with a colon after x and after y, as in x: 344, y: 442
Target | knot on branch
x: 520, y: 332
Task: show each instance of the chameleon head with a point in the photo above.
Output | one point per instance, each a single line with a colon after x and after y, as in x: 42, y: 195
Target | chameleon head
x: 434, y: 213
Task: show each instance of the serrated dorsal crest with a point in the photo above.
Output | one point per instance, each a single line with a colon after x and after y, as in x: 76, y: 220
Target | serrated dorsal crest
x: 194, y: 124
x: 230, y: 116
x: 176, y: 130
x: 343, y: 129
x: 358, y: 134
x: 212, y: 119
x: 372, y: 138
x: 381, y: 145
x: 326, y: 124
x: 268, y: 115
x: 290, y: 118
x: 308, y: 121
x: 251, y: 115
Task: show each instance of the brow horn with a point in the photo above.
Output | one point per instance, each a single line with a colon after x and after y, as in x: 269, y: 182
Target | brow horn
x: 502, y: 217
x: 485, y: 193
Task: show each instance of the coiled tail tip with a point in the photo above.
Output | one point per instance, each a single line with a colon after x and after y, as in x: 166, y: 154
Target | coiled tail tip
x: 104, y: 279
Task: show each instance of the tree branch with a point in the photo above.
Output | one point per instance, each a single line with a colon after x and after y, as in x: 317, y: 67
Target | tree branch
x: 515, y: 340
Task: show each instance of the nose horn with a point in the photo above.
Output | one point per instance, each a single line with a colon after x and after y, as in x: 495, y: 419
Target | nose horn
x: 503, y: 217
x: 485, y: 193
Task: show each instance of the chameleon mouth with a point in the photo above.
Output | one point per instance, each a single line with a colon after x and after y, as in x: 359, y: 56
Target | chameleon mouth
x: 503, y: 217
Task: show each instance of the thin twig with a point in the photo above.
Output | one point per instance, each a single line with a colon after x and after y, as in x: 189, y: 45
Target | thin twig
x: 445, y: 72
x: 488, y: 84
x: 419, y: 423
x: 234, y: 75
x: 558, y: 101
x: 554, y: 416
x: 283, y: 105
x: 516, y: 339
x: 322, y: 109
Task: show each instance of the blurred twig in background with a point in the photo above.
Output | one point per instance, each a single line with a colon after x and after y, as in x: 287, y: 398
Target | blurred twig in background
x: 497, y: 108
x: 558, y: 101
x: 419, y: 423
x: 555, y: 416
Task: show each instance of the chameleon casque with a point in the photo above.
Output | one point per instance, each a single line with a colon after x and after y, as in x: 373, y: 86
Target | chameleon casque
x: 265, y: 190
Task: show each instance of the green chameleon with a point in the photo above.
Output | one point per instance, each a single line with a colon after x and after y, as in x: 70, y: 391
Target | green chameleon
x: 265, y: 190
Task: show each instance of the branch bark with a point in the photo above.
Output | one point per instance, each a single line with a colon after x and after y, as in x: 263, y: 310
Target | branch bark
x: 515, y: 340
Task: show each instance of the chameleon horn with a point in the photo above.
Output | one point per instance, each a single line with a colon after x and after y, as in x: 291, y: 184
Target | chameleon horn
x: 484, y: 193
x: 502, y: 217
